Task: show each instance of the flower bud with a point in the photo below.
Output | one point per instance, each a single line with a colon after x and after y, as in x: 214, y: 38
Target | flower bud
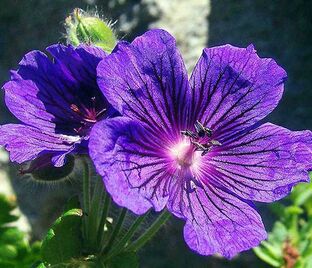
x: 41, y: 169
x: 82, y: 27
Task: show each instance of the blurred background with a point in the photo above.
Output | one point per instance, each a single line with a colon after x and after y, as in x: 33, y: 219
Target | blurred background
x: 278, y: 29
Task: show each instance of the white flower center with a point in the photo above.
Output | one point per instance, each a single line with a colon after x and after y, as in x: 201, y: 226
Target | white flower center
x: 184, y: 154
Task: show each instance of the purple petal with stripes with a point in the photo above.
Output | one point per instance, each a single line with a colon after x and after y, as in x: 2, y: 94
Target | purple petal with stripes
x: 56, y: 97
x: 209, y: 173
x: 218, y: 222
x: 147, y: 80
x: 26, y: 143
x: 129, y: 162
x: 233, y: 88
x: 264, y: 163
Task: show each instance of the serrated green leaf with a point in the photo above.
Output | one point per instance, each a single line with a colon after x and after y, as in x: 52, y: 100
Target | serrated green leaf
x: 125, y: 259
x: 63, y: 241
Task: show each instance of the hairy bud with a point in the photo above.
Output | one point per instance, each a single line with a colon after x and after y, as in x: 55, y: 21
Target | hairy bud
x: 82, y: 27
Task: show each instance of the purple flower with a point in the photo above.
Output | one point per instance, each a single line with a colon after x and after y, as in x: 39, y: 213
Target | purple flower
x: 57, y: 101
x: 196, y: 146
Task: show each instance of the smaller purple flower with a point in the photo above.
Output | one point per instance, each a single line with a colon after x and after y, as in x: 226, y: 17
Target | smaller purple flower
x: 57, y: 100
x: 195, y: 146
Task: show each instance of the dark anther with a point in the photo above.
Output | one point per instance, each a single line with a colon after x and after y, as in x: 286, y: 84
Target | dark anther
x: 199, y: 140
x: 215, y: 143
x: 189, y: 133
x: 204, y: 148
x: 201, y: 130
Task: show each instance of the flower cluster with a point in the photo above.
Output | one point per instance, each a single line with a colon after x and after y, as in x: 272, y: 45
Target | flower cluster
x: 195, y: 146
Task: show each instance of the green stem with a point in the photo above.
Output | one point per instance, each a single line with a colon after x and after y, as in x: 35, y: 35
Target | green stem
x: 117, y: 228
x: 96, y: 208
x: 294, y: 228
x: 86, y: 188
x: 103, y: 218
x: 123, y: 242
x: 150, y: 232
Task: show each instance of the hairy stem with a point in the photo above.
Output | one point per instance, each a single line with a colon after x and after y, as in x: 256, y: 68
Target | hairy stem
x: 123, y: 242
x: 150, y: 232
x: 103, y: 220
x: 116, y: 230
x: 95, y: 213
x: 86, y: 189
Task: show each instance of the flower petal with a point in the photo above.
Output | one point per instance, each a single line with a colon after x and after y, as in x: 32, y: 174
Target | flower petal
x: 147, y: 80
x: 233, y: 88
x: 129, y: 163
x: 216, y: 221
x: 84, y: 59
x: 264, y: 163
x: 26, y: 143
x: 41, y: 92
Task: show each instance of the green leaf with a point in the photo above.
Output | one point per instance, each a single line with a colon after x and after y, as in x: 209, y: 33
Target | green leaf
x: 7, y: 264
x: 6, y: 208
x: 279, y: 233
x: 38, y: 265
x: 63, y: 241
x: 306, y: 262
x: 11, y: 235
x: 125, y: 259
x: 8, y: 252
x: 294, y: 210
x: 264, y: 255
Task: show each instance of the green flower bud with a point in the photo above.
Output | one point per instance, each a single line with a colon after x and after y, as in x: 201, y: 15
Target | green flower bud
x: 82, y: 27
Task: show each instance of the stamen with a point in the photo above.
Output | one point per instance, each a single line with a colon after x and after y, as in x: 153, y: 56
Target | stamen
x: 189, y: 133
x: 75, y: 108
x: 200, y: 138
x: 101, y: 112
x: 215, y: 143
x: 87, y: 115
x: 201, y: 130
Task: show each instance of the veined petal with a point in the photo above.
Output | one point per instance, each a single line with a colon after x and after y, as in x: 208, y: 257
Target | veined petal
x: 233, y: 88
x: 264, y: 163
x: 128, y: 158
x: 78, y: 63
x: 216, y: 221
x: 147, y: 81
x: 26, y: 143
x: 41, y: 92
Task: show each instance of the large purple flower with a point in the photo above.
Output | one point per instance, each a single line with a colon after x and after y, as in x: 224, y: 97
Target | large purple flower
x: 57, y: 100
x: 196, y: 146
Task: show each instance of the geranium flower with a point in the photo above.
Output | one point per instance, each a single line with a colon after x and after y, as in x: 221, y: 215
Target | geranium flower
x: 196, y: 146
x: 57, y: 102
